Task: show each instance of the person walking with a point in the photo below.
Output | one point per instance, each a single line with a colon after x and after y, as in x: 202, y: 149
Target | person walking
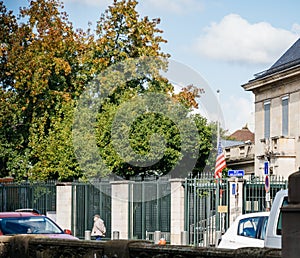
x: 99, y: 228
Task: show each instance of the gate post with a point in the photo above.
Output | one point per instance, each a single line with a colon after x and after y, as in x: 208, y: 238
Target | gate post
x: 121, y: 213
x: 64, y: 205
x: 236, y: 197
x: 177, y: 210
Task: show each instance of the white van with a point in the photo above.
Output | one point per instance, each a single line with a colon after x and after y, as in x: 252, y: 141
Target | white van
x: 274, y: 227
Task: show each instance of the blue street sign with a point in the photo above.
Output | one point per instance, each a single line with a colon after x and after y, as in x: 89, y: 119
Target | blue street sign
x: 233, y: 190
x: 236, y: 173
x: 266, y: 167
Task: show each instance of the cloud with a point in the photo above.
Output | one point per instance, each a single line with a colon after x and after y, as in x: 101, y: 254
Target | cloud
x: 180, y: 7
x: 238, y: 111
x: 234, y: 39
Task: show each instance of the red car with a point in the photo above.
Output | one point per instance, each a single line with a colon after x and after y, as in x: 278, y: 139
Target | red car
x: 25, y: 222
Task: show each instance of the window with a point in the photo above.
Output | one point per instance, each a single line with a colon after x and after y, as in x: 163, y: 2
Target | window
x: 248, y: 227
x: 279, y: 223
x: 285, y: 116
x: 267, y: 105
x: 254, y: 227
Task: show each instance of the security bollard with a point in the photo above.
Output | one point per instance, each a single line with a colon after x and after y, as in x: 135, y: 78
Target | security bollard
x: 184, y: 237
x: 87, y: 235
x: 157, y: 236
x: 116, y: 234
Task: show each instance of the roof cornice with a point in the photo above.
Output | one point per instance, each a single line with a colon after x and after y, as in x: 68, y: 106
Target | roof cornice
x: 271, y: 78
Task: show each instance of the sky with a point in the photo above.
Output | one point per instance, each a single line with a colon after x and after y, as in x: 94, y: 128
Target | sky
x: 226, y: 42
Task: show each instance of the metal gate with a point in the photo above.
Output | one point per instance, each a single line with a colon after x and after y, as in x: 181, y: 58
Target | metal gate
x: 206, y: 206
x: 151, y: 207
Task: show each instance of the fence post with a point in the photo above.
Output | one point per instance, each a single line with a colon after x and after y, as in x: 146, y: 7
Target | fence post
x: 120, y: 208
x: 236, y: 197
x: 177, y: 210
x: 64, y: 205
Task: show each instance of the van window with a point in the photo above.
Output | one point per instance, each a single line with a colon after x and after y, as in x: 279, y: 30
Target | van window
x: 279, y: 224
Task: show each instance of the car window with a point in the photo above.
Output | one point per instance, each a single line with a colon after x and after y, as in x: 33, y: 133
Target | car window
x: 279, y: 223
x: 248, y: 227
x: 28, y: 225
x: 264, y: 223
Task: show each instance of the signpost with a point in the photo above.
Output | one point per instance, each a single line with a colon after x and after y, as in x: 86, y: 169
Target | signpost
x: 237, y: 173
x: 267, y: 185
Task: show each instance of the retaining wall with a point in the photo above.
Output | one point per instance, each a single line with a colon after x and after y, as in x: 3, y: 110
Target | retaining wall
x: 29, y: 246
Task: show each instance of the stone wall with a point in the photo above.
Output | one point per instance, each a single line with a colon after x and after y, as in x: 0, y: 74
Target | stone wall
x: 29, y: 246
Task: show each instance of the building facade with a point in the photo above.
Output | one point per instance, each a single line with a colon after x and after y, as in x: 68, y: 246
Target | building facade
x: 239, y: 152
x: 277, y: 115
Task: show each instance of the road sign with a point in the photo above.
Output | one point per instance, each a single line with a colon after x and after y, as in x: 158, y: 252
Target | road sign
x: 233, y: 190
x: 236, y: 173
x: 267, y: 184
x: 266, y: 167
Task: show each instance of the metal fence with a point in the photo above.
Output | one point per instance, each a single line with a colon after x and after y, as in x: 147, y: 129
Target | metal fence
x: 149, y: 205
x: 38, y: 195
x: 203, y: 196
x: 255, y: 196
x: 89, y: 199
x: 151, y: 208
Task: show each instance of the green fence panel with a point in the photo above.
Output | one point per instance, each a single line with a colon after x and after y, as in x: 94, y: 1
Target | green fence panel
x: 203, y: 196
x: 90, y: 199
x: 151, y: 202
x: 39, y: 195
x: 255, y: 193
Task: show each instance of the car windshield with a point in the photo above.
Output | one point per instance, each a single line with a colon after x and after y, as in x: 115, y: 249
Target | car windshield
x: 28, y: 225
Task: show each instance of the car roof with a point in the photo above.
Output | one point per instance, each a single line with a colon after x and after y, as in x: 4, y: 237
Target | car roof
x: 14, y: 214
x: 255, y: 214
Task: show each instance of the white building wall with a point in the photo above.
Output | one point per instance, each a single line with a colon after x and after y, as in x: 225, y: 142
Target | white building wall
x: 286, y: 158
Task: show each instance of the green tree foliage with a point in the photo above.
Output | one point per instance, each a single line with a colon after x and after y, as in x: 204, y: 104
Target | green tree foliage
x: 44, y: 58
x: 46, y: 68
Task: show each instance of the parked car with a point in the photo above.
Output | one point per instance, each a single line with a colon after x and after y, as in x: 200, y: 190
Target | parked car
x: 248, y: 230
x: 20, y: 222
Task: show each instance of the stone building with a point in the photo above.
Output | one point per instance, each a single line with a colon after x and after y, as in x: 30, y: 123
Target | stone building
x: 277, y: 114
x: 239, y: 152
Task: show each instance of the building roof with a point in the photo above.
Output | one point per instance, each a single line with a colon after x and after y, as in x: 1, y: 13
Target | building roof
x: 243, y: 135
x: 230, y: 143
x: 289, y: 59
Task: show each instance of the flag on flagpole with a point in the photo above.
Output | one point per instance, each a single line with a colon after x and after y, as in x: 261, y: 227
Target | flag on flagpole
x: 220, y: 162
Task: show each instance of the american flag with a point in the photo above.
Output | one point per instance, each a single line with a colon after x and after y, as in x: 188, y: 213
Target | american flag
x: 220, y: 162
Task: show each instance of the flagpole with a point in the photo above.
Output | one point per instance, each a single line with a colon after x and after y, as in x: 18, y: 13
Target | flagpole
x: 218, y: 118
x: 218, y: 231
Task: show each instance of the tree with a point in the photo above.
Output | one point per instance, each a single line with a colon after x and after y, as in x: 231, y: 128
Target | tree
x: 10, y: 137
x: 127, y: 59
x: 58, y: 80
x: 46, y: 81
